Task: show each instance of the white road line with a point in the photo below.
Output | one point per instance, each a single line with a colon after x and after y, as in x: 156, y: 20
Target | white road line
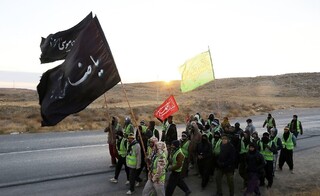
x: 53, y: 149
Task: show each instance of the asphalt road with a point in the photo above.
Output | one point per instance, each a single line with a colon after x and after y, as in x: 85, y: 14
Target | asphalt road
x: 76, y: 163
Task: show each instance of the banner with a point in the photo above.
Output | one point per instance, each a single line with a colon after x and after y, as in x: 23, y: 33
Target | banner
x: 88, y: 71
x: 57, y: 46
x: 196, y: 72
x: 168, y: 107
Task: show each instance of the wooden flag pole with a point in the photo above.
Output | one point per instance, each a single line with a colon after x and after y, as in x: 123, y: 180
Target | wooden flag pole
x: 108, y: 118
x: 135, y: 121
x: 215, y: 86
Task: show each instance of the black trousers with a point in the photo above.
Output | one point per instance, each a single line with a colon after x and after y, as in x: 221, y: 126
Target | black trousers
x: 120, y: 163
x: 268, y: 170
x: 132, y: 178
x: 175, y: 179
x: 204, y: 170
x: 286, y: 156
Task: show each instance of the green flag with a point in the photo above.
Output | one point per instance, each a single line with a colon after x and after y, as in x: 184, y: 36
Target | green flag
x: 196, y: 72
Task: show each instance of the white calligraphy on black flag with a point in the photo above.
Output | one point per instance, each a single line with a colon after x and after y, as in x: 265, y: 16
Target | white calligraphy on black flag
x: 88, y: 71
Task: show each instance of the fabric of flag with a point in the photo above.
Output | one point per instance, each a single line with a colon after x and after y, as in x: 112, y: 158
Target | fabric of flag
x: 167, y: 108
x: 88, y: 71
x: 56, y: 46
x: 196, y: 72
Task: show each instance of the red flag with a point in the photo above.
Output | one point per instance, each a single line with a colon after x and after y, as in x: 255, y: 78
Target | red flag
x: 168, y: 107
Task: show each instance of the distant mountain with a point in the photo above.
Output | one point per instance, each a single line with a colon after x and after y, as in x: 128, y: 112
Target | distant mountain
x: 11, y: 79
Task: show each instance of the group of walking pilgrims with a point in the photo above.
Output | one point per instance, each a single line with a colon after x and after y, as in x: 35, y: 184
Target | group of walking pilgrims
x: 211, y: 148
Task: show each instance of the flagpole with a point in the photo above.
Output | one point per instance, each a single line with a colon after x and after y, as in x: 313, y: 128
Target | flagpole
x: 215, y: 86
x: 108, y: 117
x: 134, y: 118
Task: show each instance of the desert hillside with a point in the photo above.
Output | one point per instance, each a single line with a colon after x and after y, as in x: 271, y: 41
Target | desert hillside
x: 232, y: 97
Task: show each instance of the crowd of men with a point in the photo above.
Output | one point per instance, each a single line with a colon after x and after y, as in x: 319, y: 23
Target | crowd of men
x: 212, y: 148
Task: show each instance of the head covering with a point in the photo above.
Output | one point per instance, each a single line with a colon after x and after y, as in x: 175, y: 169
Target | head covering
x: 162, y: 147
x: 214, y: 123
x: 237, y: 124
x: 216, y: 133
x: 152, y: 123
x: 130, y: 136
x: 266, y: 134
x: 127, y: 120
x: 153, y: 139
x: 184, y: 133
x: 120, y: 133
x: 176, y: 143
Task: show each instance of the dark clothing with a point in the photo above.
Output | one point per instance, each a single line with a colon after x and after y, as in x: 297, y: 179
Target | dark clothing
x: 204, y: 153
x: 132, y: 178
x: 226, y: 159
x: 113, y: 153
x: 120, y: 163
x: 286, y: 156
x: 176, y: 180
x: 269, y: 126
x: 255, y: 164
x: 293, y: 128
x: 226, y: 166
x: 170, y: 135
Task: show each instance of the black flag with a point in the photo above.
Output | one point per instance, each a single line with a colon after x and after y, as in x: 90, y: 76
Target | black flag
x: 88, y: 71
x: 56, y: 46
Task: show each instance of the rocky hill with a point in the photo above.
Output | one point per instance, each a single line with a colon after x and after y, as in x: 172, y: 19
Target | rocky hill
x: 232, y: 97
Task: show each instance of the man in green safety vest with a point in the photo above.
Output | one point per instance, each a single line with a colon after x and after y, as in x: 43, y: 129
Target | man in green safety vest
x: 128, y: 127
x: 270, y: 122
x: 185, y: 143
x: 157, y: 172
x: 286, y: 153
x: 121, y: 146
x: 295, y: 126
x: 133, y: 161
x: 176, y: 159
x: 267, y: 148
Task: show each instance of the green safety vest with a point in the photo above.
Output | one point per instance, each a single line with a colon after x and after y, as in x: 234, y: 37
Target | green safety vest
x: 269, y: 122
x: 217, y: 129
x: 208, y: 134
x: 149, y: 150
x: 267, y: 154
x: 122, y: 151
x: 298, y: 126
x: 289, y: 143
x: 174, y: 159
x: 216, y: 147
x: 128, y: 129
x: 184, y: 148
x: 144, y: 128
x: 275, y: 140
x: 244, y: 149
x: 131, y: 158
x: 154, y: 168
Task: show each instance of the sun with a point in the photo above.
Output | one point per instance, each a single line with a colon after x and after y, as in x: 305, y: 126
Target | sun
x: 167, y: 81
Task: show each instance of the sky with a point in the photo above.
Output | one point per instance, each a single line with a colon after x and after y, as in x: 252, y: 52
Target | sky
x: 151, y: 39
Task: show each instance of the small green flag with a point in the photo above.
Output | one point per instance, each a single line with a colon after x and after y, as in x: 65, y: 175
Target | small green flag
x: 196, y: 72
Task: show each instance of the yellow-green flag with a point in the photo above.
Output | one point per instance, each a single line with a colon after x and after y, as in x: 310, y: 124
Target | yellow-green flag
x: 196, y: 72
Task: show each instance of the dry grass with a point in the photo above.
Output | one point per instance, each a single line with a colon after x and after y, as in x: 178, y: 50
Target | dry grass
x: 233, y: 97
